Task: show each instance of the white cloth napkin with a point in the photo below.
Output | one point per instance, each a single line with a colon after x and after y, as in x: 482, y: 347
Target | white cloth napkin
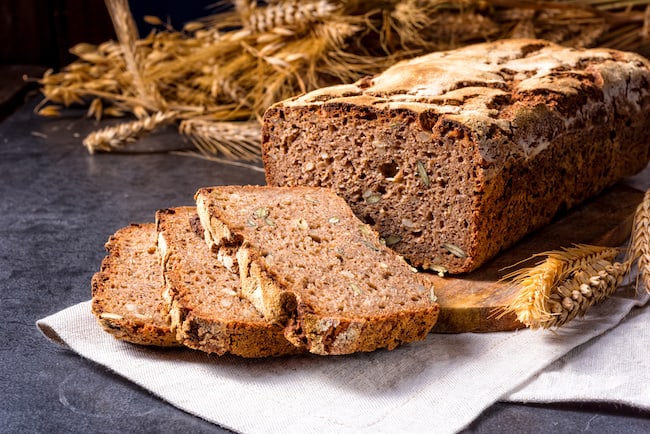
x: 613, y: 368
x: 438, y: 385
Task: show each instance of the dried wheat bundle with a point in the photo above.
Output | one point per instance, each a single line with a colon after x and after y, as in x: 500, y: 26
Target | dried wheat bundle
x: 565, y: 284
x: 231, y: 66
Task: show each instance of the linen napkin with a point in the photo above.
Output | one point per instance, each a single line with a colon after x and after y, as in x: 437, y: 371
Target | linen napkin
x: 438, y: 385
x: 612, y: 368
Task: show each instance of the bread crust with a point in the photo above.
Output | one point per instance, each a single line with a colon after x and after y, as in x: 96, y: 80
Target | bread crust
x: 455, y: 156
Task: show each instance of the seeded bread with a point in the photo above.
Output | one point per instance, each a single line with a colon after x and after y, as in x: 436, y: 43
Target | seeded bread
x: 308, y: 263
x: 203, y: 296
x: 126, y: 292
x: 456, y: 155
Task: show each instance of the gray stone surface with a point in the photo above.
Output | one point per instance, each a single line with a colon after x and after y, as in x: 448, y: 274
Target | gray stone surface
x: 58, y: 206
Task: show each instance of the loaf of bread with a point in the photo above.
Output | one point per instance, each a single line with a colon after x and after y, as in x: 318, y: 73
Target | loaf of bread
x: 206, y: 310
x: 127, y: 291
x: 454, y: 156
x: 307, y: 263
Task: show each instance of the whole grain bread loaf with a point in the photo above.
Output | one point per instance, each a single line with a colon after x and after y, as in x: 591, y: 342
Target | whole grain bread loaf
x: 308, y: 263
x: 126, y: 292
x: 206, y: 310
x: 454, y: 156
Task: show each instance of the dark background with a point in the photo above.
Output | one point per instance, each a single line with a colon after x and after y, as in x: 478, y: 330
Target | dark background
x: 41, y: 32
x: 36, y: 35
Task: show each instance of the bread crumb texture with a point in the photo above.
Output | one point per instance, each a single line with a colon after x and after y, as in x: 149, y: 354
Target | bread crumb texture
x: 126, y: 292
x: 308, y: 263
x: 456, y: 155
x: 207, y: 311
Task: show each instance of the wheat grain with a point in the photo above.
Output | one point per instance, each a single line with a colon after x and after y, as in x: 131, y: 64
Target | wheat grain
x: 294, y: 15
x: 564, y: 285
x: 116, y: 137
x: 95, y: 109
x: 50, y: 111
x: 113, y: 111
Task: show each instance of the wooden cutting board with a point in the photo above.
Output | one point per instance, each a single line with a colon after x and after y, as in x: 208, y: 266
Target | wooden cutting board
x: 468, y: 303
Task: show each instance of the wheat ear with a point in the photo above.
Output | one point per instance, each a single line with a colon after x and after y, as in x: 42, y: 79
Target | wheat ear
x: 118, y: 136
x: 565, y: 284
x: 640, y: 243
x: 291, y: 15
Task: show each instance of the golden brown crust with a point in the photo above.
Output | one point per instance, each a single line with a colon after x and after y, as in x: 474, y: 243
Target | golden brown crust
x: 456, y: 155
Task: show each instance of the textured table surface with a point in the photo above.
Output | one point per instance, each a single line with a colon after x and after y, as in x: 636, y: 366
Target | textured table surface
x: 59, y: 205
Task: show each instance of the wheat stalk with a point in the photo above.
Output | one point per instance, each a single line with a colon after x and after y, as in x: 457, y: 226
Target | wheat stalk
x: 225, y: 161
x: 117, y: 137
x: 564, y: 284
x: 127, y: 34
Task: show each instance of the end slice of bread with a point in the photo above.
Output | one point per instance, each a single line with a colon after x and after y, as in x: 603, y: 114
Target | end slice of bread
x: 207, y: 312
x: 126, y: 292
x: 307, y: 263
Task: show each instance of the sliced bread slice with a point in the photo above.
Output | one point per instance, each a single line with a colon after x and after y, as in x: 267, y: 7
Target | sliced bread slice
x: 308, y: 263
x: 206, y: 310
x: 126, y: 292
